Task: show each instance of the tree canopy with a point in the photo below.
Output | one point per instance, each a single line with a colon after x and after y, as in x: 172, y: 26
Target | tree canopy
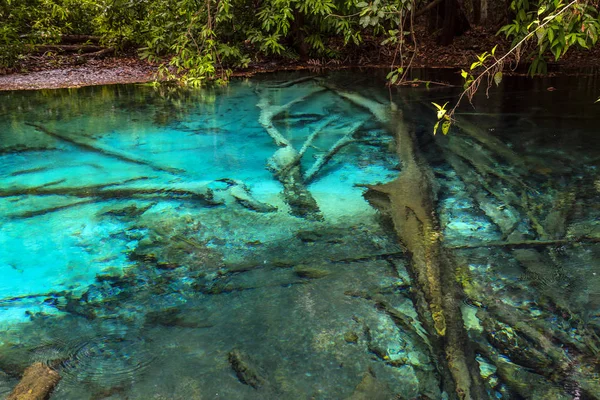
x: 205, y: 39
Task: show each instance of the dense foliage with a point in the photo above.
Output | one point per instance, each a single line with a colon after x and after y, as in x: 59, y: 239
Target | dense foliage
x: 204, y: 39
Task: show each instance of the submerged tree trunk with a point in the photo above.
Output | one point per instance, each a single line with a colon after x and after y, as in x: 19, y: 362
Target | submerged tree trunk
x: 412, y: 211
x: 37, y: 383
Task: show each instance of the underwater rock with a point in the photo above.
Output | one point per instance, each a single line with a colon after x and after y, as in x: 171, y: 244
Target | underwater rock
x: 37, y: 383
x: 129, y: 212
x: 370, y: 388
x: 245, y: 371
x: 176, y: 317
x: 307, y: 272
x: 351, y: 337
x: 329, y: 235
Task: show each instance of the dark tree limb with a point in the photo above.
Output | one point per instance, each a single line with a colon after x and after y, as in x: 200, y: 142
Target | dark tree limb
x: 93, y: 145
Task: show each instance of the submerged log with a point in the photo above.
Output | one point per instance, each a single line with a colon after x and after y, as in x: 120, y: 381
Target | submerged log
x: 527, y: 384
x: 411, y: 199
x: 37, y: 383
x: 110, y: 192
x: 285, y: 162
x: 88, y: 144
x: 245, y: 371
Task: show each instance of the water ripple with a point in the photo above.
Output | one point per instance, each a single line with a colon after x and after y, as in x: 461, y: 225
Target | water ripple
x: 104, y: 360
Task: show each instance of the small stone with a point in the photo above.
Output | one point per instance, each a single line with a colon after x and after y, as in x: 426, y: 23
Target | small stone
x: 351, y: 337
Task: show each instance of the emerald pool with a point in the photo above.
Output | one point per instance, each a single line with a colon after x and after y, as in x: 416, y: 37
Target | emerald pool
x: 237, y: 242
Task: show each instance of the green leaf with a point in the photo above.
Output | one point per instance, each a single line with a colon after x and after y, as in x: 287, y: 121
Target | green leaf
x: 388, y: 76
x: 498, y: 78
x: 435, y: 127
x: 395, y: 78
x: 475, y: 65
x: 541, y: 10
x: 362, y: 4
x: 597, y: 101
x: 437, y: 106
x: 446, y: 127
x: 464, y: 73
x: 494, y: 50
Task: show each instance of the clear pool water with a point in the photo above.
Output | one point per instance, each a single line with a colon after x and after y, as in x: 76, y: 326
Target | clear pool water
x: 158, y: 244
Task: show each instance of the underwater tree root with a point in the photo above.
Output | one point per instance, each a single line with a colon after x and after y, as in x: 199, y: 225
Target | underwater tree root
x: 37, y: 383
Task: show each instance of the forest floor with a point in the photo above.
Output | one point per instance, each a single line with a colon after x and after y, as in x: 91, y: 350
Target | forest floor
x: 66, y: 71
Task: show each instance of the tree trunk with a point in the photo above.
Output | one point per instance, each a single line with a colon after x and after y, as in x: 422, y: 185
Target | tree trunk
x: 455, y: 22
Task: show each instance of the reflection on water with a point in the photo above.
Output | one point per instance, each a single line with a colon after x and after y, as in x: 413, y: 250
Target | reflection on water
x: 233, y: 242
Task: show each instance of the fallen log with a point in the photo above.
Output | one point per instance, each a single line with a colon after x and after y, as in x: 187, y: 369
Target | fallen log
x: 245, y: 371
x: 295, y: 192
x: 527, y: 243
x: 66, y: 48
x: 204, y: 195
x: 527, y: 384
x: 93, y: 145
x: 411, y: 208
x: 307, y: 144
x: 37, y: 383
x: 99, y: 53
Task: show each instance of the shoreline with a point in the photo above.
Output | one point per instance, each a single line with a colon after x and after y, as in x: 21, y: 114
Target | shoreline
x: 64, y: 72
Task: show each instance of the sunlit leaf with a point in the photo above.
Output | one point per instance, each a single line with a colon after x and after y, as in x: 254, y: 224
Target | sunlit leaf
x: 446, y: 127
x: 435, y: 127
x: 541, y: 10
x: 498, y: 78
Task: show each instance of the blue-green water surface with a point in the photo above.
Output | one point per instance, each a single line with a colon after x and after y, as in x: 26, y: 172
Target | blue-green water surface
x: 149, y: 237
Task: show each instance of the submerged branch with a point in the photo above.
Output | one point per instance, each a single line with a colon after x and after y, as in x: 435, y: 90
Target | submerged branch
x: 527, y: 243
x: 347, y: 139
x: 93, y: 145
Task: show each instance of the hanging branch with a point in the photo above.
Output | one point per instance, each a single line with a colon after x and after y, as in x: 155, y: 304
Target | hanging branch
x: 472, y: 87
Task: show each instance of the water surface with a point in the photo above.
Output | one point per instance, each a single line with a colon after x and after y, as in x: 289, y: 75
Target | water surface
x: 149, y: 240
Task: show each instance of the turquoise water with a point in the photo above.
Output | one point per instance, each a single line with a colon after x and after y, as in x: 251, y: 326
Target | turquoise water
x: 149, y: 240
